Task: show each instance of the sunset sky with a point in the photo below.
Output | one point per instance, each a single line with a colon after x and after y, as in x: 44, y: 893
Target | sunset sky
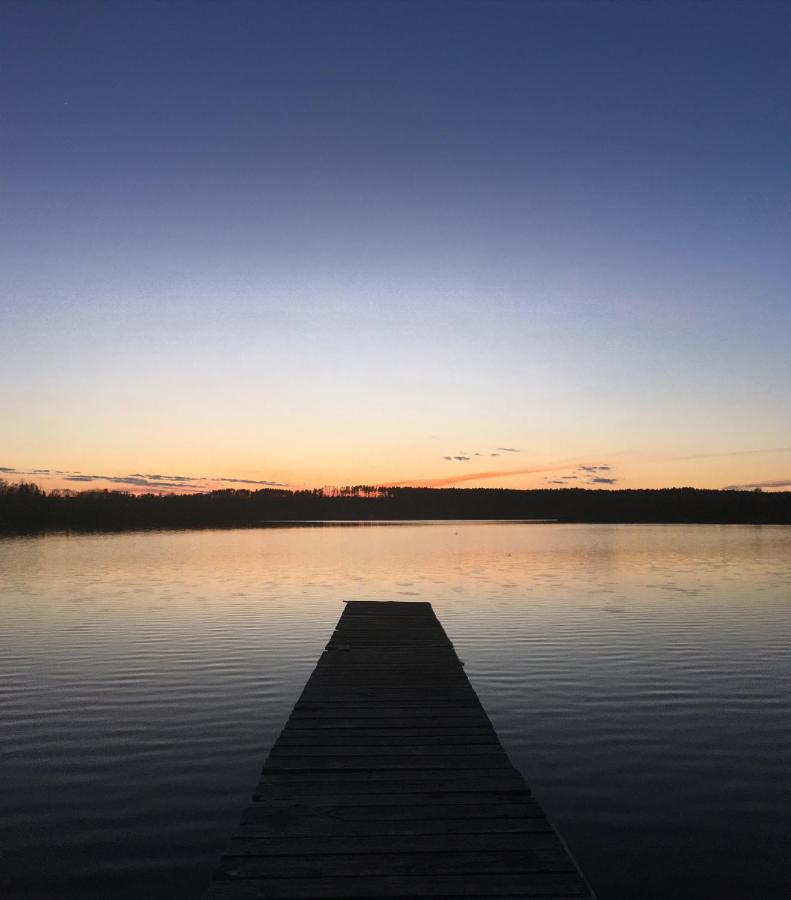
x: 331, y: 243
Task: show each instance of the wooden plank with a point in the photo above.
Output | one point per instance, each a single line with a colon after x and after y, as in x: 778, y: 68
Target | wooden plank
x: 328, y: 825
x: 422, y: 733
x: 397, y: 722
x: 265, y: 865
x: 372, y: 707
x: 385, y: 714
x: 458, y: 740
x: 388, y: 780
x: 285, y: 812
x: 436, y: 787
x: 431, y: 751
x: 499, y: 779
x: 536, y: 884
x: 382, y: 763
x: 329, y: 795
x: 438, y: 843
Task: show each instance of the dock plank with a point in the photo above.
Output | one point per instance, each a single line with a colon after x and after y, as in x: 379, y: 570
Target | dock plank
x: 388, y: 780
x: 486, y: 884
x: 435, y: 862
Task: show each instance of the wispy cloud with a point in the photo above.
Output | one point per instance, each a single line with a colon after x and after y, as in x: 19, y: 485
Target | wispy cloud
x: 156, y: 482
x: 152, y: 481
x: 473, y: 476
x: 465, y: 457
x: 588, y: 479
x: 587, y: 473
x: 735, y: 453
x: 782, y: 483
x: 162, y: 477
x: 252, y: 481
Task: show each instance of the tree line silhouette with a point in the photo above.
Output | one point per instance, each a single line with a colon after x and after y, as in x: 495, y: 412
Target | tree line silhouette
x: 26, y: 508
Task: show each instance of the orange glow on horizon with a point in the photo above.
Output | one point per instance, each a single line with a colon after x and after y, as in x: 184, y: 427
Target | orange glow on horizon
x: 475, y: 476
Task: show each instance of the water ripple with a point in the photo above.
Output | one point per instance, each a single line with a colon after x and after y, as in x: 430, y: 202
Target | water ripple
x: 638, y: 675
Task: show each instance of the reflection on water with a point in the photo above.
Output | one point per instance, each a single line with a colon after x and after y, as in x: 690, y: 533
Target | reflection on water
x: 638, y: 675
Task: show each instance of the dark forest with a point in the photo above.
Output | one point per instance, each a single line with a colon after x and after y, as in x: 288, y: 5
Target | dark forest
x: 26, y: 508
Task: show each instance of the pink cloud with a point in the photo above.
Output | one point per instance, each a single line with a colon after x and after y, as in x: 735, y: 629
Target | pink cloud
x: 474, y: 476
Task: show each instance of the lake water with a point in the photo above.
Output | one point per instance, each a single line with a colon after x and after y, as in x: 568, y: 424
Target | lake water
x: 639, y: 676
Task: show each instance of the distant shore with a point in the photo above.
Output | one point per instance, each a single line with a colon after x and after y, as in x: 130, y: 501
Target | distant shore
x: 26, y: 508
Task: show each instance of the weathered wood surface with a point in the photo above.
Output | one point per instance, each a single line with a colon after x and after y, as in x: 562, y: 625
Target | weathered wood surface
x: 388, y: 780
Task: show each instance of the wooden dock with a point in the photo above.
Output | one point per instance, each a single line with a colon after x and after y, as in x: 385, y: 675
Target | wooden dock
x: 388, y: 780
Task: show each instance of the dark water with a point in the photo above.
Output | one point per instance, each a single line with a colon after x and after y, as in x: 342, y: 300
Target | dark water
x: 640, y: 677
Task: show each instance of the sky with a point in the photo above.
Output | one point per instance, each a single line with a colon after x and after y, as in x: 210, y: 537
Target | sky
x: 478, y: 244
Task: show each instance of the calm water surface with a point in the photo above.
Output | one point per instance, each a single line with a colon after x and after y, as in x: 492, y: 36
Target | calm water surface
x: 639, y: 676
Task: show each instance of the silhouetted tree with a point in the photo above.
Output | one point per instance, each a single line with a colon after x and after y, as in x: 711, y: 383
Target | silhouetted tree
x: 26, y: 508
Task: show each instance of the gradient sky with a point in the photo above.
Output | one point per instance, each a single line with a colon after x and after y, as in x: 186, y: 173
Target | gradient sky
x: 331, y: 243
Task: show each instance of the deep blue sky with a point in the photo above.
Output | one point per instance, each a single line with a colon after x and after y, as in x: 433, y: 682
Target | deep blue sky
x: 329, y: 242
